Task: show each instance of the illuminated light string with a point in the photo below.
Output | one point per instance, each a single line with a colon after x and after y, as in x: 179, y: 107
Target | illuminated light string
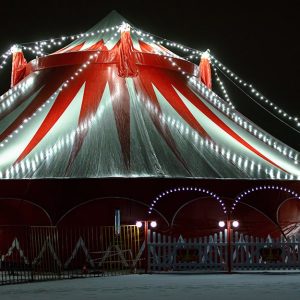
x: 261, y: 188
x: 63, y: 86
x: 186, y: 189
x: 38, y: 49
x: 196, y: 54
x: 221, y: 84
x: 220, y: 105
x: 278, y: 113
x: 49, y: 43
x: 10, y: 97
x: 5, y: 56
x: 284, y: 116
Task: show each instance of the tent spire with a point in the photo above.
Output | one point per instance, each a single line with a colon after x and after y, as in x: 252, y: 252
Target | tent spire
x: 18, y: 65
x: 205, y: 70
x: 127, y: 66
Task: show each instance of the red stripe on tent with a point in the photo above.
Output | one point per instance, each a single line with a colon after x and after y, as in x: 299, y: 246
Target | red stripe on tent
x: 96, y: 79
x: 146, y: 47
x: 164, y: 85
x: 121, y: 105
x: 60, y: 105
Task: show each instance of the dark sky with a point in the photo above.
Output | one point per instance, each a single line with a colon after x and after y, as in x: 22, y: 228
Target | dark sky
x: 258, y: 41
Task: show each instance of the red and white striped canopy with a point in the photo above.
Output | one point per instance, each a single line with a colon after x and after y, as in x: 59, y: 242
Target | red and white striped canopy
x: 115, y: 103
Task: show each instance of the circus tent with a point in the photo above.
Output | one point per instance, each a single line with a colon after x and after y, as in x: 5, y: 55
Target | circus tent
x: 117, y: 106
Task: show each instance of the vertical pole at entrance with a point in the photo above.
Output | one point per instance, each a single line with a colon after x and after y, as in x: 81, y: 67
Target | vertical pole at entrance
x: 146, y: 245
x: 229, y: 258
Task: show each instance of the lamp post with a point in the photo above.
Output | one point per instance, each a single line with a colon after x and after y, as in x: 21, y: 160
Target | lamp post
x: 140, y: 224
x: 230, y: 224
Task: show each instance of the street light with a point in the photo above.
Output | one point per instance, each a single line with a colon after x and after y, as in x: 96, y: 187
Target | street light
x: 230, y: 225
x: 221, y: 224
x: 139, y: 224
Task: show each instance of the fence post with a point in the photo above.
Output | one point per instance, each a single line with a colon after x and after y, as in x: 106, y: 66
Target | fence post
x: 229, y: 258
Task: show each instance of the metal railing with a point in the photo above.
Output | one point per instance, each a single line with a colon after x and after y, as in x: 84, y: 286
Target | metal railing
x: 45, y: 253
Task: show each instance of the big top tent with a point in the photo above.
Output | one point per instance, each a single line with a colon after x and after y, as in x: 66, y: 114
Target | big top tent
x: 116, y: 119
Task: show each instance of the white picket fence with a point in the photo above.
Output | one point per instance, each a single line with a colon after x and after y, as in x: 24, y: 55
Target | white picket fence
x: 248, y: 252
x: 166, y: 253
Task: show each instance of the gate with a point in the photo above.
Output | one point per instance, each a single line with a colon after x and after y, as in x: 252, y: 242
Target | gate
x: 218, y: 252
x: 44, y: 253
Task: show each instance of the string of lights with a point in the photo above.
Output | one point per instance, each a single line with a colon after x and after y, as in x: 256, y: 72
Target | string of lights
x: 196, y: 54
x: 186, y: 189
x: 222, y: 87
x: 38, y: 49
x: 242, y: 195
x: 241, y: 121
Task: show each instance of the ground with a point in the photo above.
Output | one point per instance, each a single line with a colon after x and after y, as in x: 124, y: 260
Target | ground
x: 162, y: 286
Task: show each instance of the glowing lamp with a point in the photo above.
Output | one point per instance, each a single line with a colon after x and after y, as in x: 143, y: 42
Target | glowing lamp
x: 221, y: 224
x: 153, y: 224
x: 139, y: 224
x: 235, y: 224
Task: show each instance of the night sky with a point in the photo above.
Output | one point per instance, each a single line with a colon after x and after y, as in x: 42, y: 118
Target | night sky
x: 259, y: 42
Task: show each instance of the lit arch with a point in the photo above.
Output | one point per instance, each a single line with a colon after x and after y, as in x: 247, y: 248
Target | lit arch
x: 261, y: 188
x: 187, y: 189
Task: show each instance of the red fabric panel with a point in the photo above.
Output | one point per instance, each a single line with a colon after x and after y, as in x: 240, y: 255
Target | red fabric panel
x: 18, y: 68
x: 205, y: 72
x: 60, y: 105
x: 127, y: 66
x: 146, y: 47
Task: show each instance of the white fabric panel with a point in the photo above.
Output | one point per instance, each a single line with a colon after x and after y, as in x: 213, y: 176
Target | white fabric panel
x: 10, y: 118
x: 101, y: 154
x: 13, y: 149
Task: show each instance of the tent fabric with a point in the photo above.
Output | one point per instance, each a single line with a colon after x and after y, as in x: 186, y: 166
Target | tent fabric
x: 152, y: 121
x: 127, y: 66
x: 18, y: 67
x: 205, y: 72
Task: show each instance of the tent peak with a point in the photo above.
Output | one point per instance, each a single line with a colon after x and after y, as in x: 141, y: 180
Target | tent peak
x: 114, y: 18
